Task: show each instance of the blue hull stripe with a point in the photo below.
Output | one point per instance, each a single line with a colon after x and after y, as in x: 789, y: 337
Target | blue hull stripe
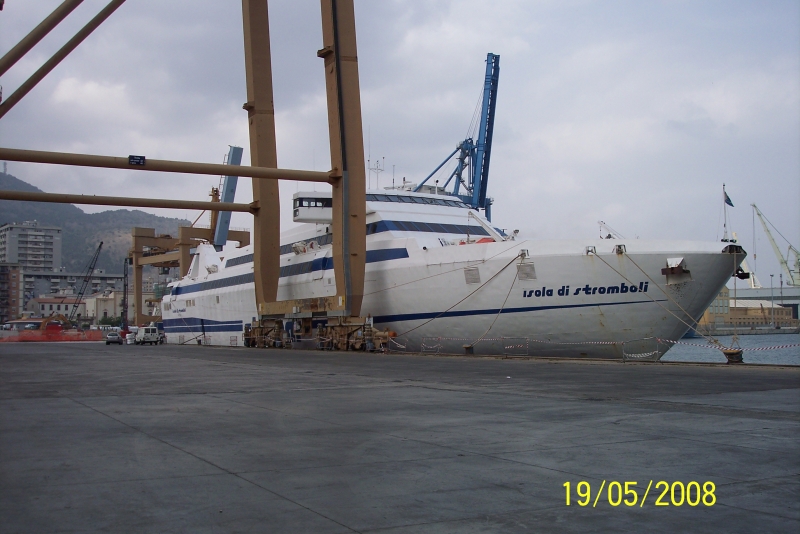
x: 376, y: 228
x: 193, y: 324
x: 467, y: 313
x: 320, y: 264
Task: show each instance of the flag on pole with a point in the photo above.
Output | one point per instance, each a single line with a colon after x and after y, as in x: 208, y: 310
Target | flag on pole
x: 727, y: 199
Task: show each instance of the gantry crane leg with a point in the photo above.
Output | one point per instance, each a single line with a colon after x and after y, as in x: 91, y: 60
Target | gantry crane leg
x: 263, y: 150
x: 347, y: 150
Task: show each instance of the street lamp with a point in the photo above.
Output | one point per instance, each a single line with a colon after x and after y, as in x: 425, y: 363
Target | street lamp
x: 772, y: 297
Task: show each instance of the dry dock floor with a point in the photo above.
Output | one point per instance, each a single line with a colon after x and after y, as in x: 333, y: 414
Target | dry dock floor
x: 201, y: 439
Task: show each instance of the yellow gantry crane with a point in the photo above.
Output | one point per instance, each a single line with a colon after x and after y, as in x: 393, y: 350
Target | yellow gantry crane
x: 347, y: 176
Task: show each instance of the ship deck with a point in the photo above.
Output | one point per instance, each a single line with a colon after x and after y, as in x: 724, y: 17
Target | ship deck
x: 209, y: 439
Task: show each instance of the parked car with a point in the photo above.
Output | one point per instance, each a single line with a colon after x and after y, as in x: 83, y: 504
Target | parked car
x: 114, y: 337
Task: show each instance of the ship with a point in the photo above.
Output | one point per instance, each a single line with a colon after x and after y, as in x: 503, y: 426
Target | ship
x: 439, y: 274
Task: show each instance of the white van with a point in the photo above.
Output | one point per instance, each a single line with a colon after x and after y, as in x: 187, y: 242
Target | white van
x: 147, y: 334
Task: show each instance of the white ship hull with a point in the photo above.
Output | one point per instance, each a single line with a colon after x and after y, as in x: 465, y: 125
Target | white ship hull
x: 579, y: 304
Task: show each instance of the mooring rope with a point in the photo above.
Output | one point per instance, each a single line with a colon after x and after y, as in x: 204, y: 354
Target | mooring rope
x: 667, y: 295
x: 710, y: 339
x: 501, y: 307
x: 516, y: 244
x: 463, y: 299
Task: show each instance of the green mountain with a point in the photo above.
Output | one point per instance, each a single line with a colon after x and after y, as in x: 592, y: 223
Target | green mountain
x: 82, y: 232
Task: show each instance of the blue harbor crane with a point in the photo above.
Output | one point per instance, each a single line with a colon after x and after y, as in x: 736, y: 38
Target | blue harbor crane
x: 472, y: 167
x: 227, y: 193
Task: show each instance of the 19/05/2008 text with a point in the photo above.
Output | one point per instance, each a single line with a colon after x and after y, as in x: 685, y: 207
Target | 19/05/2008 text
x: 675, y: 494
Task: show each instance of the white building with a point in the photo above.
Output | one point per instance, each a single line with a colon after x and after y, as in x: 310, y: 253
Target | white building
x: 47, y: 306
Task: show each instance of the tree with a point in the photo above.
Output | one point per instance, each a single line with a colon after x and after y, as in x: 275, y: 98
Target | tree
x: 110, y: 321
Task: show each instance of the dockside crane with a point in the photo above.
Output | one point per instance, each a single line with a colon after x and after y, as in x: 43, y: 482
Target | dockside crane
x: 85, y: 282
x: 792, y: 269
x: 123, y: 314
x: 472, y: 167
x: 227, y: 193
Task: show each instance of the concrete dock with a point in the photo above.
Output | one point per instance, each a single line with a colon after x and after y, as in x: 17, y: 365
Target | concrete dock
x: 97, y: 438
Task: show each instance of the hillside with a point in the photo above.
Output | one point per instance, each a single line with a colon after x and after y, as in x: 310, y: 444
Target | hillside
x: 82, y: 232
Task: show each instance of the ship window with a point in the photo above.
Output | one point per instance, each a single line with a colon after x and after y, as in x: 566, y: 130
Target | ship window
x: 248, y: 258
x: 415, y: 200
x: 451, y: 228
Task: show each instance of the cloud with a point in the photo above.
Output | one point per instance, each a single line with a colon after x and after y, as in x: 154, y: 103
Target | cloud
x: 633, y: 113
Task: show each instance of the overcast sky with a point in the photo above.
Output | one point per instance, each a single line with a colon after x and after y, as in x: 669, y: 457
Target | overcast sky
x: 630, y: 112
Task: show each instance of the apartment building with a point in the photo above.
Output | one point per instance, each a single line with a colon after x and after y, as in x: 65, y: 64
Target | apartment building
x: 35, y: 247
x: 11, y: 292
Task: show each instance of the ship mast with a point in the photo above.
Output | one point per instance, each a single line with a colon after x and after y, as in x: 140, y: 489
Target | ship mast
x: 726, y: 201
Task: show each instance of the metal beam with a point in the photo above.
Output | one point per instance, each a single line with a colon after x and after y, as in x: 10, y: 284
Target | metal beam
x: 263, y: 149
x: 37, y: 34
x: 347, y: 150
x: 136, y: 253
x: 125, y: 201
x: 160, y: 165
x: 63, y: 52
x: 160, y: 258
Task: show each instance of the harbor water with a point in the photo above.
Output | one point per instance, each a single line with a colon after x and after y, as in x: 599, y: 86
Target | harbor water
x: 700, y: 350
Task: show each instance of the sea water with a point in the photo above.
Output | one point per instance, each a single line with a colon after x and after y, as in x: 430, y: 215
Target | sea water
x: 700, y: 350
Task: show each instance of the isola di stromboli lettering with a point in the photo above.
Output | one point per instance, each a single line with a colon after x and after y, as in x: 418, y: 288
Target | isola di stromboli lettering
x: 587, y: 290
